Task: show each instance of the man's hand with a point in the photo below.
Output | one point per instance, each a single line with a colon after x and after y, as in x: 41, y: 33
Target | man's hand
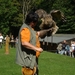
x: 38, y: 52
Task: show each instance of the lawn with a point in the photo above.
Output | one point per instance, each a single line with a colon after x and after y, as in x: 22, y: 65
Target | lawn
x: 49, y: 64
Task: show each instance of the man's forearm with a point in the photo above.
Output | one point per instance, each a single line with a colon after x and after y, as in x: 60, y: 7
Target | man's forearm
x: 31, y: 47
x: 43, y: 33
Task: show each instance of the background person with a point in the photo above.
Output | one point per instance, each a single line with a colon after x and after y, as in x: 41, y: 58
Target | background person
x: 67, y: 49
x: 7, y: 41
x: 12, y: 42
x: 59, y: 48
x: 64, y: 43
x: 73, y: 48
x: 1, y: 40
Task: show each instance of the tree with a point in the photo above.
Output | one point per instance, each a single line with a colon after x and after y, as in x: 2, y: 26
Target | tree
x: 7, y: 13
x: 67, y: 6
x: 28, y: 5
x: 13, y: 13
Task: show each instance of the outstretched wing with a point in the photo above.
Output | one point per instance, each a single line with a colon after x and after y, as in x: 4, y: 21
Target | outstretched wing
x: 57, y: 14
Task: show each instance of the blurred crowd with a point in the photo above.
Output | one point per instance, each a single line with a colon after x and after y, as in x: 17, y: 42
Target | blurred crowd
x: 64, y: 48
x: 8, y: 42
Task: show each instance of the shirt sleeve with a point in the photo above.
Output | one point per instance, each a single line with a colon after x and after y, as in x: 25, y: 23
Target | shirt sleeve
x: 25, y: 35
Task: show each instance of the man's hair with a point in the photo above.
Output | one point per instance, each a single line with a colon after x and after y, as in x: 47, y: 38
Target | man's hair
x: 31, y: 17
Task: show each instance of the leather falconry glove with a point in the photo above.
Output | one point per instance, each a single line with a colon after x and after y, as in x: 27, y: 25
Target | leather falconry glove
x: 46, y: 32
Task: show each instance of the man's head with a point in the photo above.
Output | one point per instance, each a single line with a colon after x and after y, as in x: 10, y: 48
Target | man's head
x: 32, y: 17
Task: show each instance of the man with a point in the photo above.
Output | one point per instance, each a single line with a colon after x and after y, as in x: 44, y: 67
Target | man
x: 29, y: 49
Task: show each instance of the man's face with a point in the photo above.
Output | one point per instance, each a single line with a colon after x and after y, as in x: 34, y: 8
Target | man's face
x: 34, y: 24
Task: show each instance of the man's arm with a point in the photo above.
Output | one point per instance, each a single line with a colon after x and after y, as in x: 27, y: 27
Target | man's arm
x: 25, y: 38
x: 31, y: 47
x: 43, y: 33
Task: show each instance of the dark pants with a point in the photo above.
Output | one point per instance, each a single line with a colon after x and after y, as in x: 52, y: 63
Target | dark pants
x: 0, y: 44
x: 74, y: 54
x: 12, y: 44
x: 37, y: 70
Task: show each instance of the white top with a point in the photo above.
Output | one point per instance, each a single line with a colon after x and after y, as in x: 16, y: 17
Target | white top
x: 1, y: 38
x: 72, y: 46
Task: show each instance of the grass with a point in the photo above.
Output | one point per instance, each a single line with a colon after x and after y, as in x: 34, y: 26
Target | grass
x: 49, y: 64
x: 55, y: 64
